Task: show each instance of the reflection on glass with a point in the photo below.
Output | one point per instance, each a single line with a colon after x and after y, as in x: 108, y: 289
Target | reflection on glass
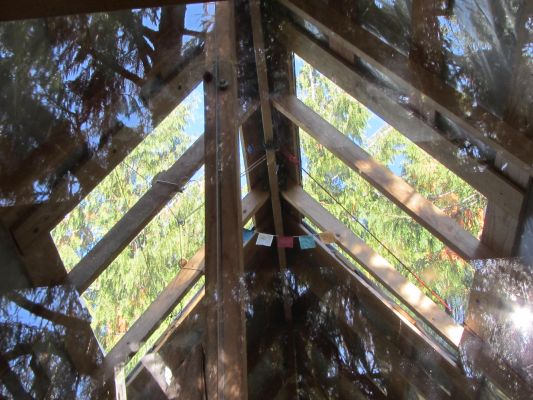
x: 94, y: 85
x: 143, y: 269
x: 81, y: 94
x: 435, y: 264
x: 47, y: 349
x: 84, y: 226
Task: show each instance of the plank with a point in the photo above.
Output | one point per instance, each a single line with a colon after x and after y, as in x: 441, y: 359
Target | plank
x: 157, y: 311
x: 120, y: 383
x: 478, y: 122
x: 184, y: 333
x: 379, y: 176
x: 483, y: 178
x: 381, y: 311
x: 190, y: 376
x: 51, y: 8
x: 157, y: 367
x: 137, y: 217
x: 173, y: 293
x: 377, y: 266
x: 400, y: 365
x: 272, y: 165
x: 266, y: 117
x: 500, y: 231
x: 225, y: 342
x: 92, y: 172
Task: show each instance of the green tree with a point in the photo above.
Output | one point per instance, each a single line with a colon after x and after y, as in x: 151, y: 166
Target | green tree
x: 153, y: 258
x: 438, y: 266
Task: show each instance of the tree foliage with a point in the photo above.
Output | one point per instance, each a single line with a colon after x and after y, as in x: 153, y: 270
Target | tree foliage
x: 438, y: 266
x: 153, y: 258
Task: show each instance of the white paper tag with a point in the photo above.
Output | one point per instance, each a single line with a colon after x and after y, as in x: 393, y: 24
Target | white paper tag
x: 264, y: 239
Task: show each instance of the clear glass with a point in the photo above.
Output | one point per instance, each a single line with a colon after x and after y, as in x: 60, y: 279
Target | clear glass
x: 94, y: 106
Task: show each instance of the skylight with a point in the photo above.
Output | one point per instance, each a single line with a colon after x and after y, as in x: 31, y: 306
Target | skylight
x: 371, y: 215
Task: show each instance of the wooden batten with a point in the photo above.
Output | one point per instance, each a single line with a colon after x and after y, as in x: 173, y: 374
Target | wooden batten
x: 146, y: 208
x: 377, y: 266
x: 443, y: 98
x: 225, y: 342
x: 379, y: 176
x: 485, y: 180
x: 266, y: 117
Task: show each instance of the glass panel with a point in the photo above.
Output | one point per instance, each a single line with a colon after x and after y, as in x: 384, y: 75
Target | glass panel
x: 387, y: 146
x: 143, y: 269
x: 92, y: 97
x: 84, y: 226
x: 91, y: 109
x: 47, y: 349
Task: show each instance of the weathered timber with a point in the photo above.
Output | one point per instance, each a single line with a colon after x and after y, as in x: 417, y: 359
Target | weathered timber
x: 376, y: 265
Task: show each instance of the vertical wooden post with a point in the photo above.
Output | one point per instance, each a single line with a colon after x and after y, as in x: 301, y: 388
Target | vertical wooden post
x: 226, y: 329
x: 120, y: 382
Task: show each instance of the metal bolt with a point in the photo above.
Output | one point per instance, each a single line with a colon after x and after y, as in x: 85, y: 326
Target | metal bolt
x: 223, y: 84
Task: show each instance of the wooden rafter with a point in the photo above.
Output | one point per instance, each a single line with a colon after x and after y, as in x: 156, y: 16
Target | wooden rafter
x: 376, y: 265
x: 137, y: 217
x: 226, y: 323
x: 479, y: 123
x: 91, y: 173
x: 146, y: 208
x: 484, y: 179
x: 392, y: 186
x: 437, y: 364
x: 266, y: 115
x: 172, y: 294
x: 51, y: 8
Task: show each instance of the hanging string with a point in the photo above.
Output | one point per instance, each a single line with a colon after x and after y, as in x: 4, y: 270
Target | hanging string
x: 254, y: 165
x: 179, y: 222
x: 409, y: 270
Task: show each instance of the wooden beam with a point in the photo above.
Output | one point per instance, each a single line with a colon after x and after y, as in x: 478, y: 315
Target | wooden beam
x: 476, y: 121
x: 500, y: 230
x: 404, y: 364
x: 173, y: 293
x: 157, y: 368
x: 377, y: 266
x: 488, y: 182
x: 272, y: 165
x: 120, y: 383
x: 226, y: 370
x: 173, y: 346
x: 46, y: 216
x: 266, y: 116
x: 157, y: 311
x: 137, y: 217
x: 392, y: 186
x: 52, y: 8
x: 380, y: 311
x: 186, y: 332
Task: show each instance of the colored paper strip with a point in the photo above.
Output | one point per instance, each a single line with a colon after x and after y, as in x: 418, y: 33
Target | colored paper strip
x: 264, y: 239
x: 247, y: 234
x: 327, y: 237
x: 307, y: 242
x: 286, y: 242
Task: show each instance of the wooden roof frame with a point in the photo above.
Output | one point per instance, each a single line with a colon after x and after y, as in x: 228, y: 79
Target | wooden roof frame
x: 224, y: 255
